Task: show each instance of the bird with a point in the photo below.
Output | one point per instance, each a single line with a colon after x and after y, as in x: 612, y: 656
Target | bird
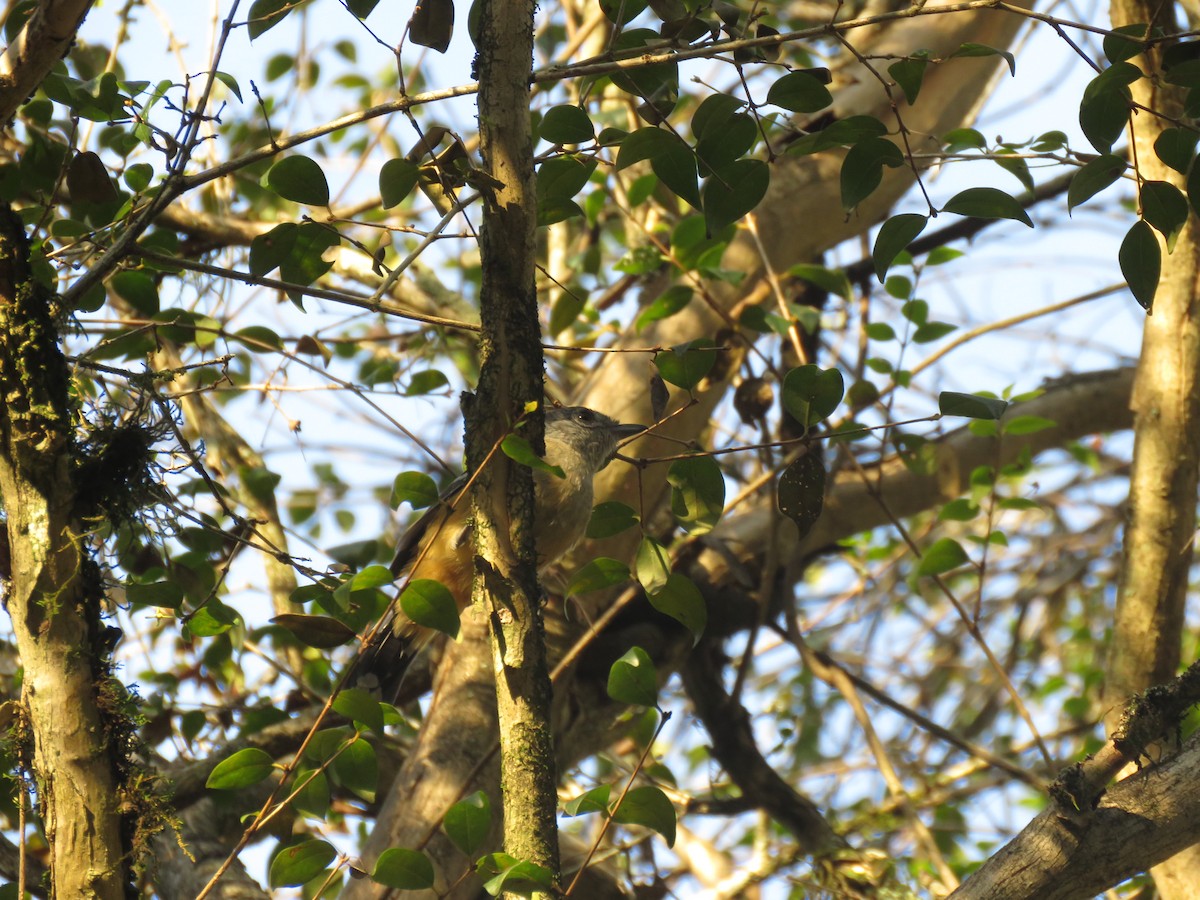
x: 580, y: 441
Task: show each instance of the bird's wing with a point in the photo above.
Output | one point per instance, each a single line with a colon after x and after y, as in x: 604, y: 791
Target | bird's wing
x: 410, y: 541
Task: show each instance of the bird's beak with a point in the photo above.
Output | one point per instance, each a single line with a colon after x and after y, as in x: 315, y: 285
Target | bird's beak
x: 620, y: 432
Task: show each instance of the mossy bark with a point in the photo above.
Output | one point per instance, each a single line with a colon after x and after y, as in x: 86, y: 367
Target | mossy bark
x: 511, y: 377
x: 52, y: 592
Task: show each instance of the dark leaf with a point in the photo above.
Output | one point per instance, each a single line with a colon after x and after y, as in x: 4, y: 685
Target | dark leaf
x: 1094, y: 177
x: 894, y: 236
x: 801, y: 492
x: 295, y: 865
x: 633, y: 679
x: 1141, y: 263
x: 430, y: 603
x: 650, y: 807
x: 404, y: 870
x: 971, y: 406
x: 299, y: 179
x: 467, y: 822
x: 321, y: 632
x: 432, y: 24
x: 987, y: 203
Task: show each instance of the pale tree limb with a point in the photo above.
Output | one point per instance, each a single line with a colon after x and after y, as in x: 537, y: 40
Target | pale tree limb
x: 803, y: 188
x: 44, y: 40
x: 510, y: 381
x: 1159, y: 537
x: 73, y: 706
x: 1089, y: 839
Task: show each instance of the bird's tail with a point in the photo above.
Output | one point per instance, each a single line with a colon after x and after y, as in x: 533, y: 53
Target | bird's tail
x: 382, y: 662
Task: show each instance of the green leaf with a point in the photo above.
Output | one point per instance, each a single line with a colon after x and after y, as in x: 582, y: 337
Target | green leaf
x: 1193, y: 189
x: 971, y: 406
x: 414, y: 488
x: 558, y: 181
x: 944, y: 555
x: 566, y: 124
x: 357, y: 769
x: 961, y: 510
x: 686, y: 365
x: 832, y: 280
x: 1165, y: 208
x: 650, y: 807
x: 932, y: 331
x: 503, y: 873
x: 1027, y: 424
x: 1125, y: 42
x: 1184, y: 74
x: 1094, y: 177
x: 597, y: 574
x: 894, y: 236
x: 987, y: 203
x: 1015, y: 166
x: 963, y: 139
x: 909, y: 73
x: 519, y: 450
x: 165, y: 594
x: 404, y: 870
x: 425, y: 382
x: 652, y: 565
x: 970, y: 49
x: 673, y: 300
x: 801, y: 491
x: 299, y: 179
x: 467, y: 822
x: 430, y: 603
x: 359, y: 706
x: 230, y: 83
x: 799, y: 92
x: 432, y: 24
x: 697, y: 493
x: 266, y: 14
x: 622, y: 12
x: 260, y: 482
x: 138, y: 289
x: 1141, y: 263
x: 670, y: 159
x: 1104, y: 111
x: 300, y: 863
x: 321, y: 632
x: 734, y: 191
x: 680, y: 599
x: 312, y: 793
x: 371, y: 577
x: 595, y: 800
x: 242, y: 769
x: 843, y: 132
x: 610, y: 518
x: 862, y: 169
x: 633, y: 679
x: 269, y: 250
x: 811, y: 393
x: 397, y: 178
x: 259, y: 338
x: 1177, y: 148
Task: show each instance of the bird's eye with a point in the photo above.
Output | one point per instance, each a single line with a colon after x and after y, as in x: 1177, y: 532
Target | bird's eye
x: 585, y: 415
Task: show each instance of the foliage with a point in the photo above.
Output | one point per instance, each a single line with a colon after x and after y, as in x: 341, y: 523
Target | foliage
x: 269, y: 287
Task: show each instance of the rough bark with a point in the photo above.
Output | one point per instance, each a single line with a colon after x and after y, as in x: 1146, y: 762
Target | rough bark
x: 511, y: 373
x: 44, y: 40
x: 1159, y: 538
x: 54, y: 596
x: 1141, y: 821
x: 803, y: 189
